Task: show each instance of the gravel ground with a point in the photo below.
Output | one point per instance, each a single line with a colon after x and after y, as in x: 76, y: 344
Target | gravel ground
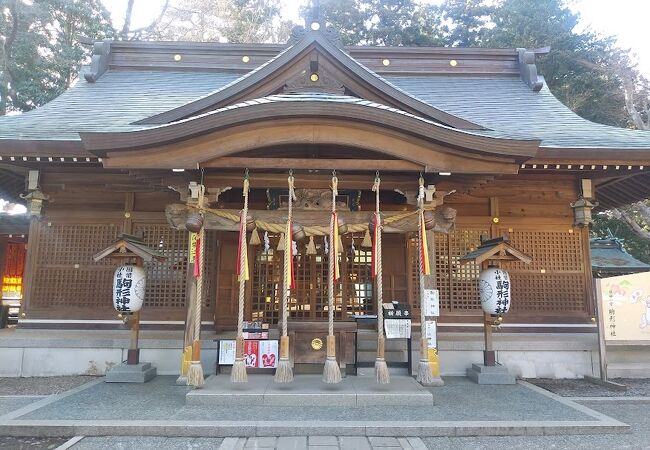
x: 41, y: 385
x: 583, y: 388
x: 147, y: 443
x: 637, y: 415
x: 12, y: 443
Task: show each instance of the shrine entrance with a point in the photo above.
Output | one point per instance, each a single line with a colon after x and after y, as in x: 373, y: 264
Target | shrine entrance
x: 308, y: 301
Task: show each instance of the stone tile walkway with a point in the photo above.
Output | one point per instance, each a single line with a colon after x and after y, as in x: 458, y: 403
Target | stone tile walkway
x: 235, y: 443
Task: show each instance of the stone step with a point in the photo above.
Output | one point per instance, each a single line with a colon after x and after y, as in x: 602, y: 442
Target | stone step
x: 390, y: 344
x: 309, y: 390
x: 628, y: 370
x: 490, y: 374
x: 391, y: 356
x: 131, y: 373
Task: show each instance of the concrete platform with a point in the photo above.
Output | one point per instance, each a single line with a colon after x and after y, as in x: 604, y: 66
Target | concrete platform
x: 490, y: 374
x: 159, y: 408
x: 309, y: 390
x: 131, y: 373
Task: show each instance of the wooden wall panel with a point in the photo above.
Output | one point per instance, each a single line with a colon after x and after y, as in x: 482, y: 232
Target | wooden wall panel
x: 66, y: 282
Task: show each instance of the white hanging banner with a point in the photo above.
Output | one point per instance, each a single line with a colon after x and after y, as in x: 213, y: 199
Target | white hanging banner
x: 430, y: 330
x: 431, y: 302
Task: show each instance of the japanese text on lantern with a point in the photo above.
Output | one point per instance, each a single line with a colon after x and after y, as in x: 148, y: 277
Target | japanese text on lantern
x: 123, y: 284
x: 503, y: 291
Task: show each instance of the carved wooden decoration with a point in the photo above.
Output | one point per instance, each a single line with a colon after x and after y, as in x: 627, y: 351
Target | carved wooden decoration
x: 324, y: 82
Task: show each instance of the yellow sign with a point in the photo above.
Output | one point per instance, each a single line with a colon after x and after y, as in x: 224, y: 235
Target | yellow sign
x: 625, y: 307
x: 192, y: 255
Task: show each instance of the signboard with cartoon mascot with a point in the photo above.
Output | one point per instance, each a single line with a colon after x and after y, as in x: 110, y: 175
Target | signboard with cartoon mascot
x: 626, y: 307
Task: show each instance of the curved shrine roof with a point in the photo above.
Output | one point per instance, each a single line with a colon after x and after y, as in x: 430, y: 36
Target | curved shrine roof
x: 487, y: 92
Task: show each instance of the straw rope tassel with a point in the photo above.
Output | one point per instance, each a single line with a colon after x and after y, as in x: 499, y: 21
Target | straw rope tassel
x: 284, y: 372
x: 195, y: 372
x: 331, y: 370
x: 381, y: 368
x: 425, y: 376
x: 238, y: 374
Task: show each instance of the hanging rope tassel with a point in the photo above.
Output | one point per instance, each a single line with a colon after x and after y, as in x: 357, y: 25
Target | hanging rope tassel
x: 311, y: 247
x: 425, y: 376
x: 255, y: 237
x: 381, y: 368
x: 284, y: 372
x: 331, y: 371
x: 238, y: 374
x: 367, y: 240
x: 195, y: 372
x: 281, y: 243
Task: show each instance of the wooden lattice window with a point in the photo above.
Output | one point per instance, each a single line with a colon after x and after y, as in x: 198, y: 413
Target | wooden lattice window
x: 266, y: 285
x: 308, y: 301
x: 66, y: 276
x: 166, y: 281
x: 457, y: 283
x: 555, y: 280
x: 358, y: 281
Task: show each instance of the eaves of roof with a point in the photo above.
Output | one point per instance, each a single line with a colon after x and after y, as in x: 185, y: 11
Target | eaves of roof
x: 310, y: 105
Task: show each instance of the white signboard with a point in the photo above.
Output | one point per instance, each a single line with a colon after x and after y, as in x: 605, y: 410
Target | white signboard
x: 257, y: 353
x: 430, y: 327
x: 226, y: 352
x: 397, y: 328
x: 431, y: 302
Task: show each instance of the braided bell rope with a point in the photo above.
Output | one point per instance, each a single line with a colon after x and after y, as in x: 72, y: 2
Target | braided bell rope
x: 421, y: 251
x: 199, y: 280
x: 332, y: 262
x: 242, y: 262
x: 380, y: 289
x: 287, y: 257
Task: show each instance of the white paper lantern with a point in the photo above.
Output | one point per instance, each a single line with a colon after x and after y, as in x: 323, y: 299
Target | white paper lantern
x: 494, y: 289
x: 128, y: 288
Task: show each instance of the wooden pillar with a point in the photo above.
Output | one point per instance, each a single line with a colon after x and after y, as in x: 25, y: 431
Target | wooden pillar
x: 133, y: 353
x: 30, y: 263
x: 489, y: 357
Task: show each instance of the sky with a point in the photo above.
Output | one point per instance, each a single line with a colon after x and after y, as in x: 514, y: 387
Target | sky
x: 625, y: 19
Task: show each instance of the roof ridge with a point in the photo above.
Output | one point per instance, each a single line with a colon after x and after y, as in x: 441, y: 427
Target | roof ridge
x: 284, y: 58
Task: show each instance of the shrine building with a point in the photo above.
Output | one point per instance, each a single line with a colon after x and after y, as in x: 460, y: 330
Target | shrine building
x: 125, y: 148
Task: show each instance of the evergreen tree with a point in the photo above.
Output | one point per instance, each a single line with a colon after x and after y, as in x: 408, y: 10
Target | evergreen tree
x: 41, y: 51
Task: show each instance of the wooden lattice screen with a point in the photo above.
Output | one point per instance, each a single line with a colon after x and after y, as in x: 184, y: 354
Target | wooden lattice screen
x: 166, y: 281
x: 555, y: 281
x: 457, y: 284
x: 66, y: 276
x: 308, y: 301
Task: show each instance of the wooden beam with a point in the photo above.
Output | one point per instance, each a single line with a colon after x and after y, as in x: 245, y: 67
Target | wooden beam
x: 321, y: 180
x: 233, y: 162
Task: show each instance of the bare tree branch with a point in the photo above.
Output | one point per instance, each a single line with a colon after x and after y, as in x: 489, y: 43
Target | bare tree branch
x: 620, y: 213
x: 127, y: 19
x: 153, y: 23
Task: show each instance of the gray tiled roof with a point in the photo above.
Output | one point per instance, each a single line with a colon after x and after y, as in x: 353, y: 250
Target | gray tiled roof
x: 504, y: 105
x: 609, y: 257
x: 508, y: 107
x: 114, y: 101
